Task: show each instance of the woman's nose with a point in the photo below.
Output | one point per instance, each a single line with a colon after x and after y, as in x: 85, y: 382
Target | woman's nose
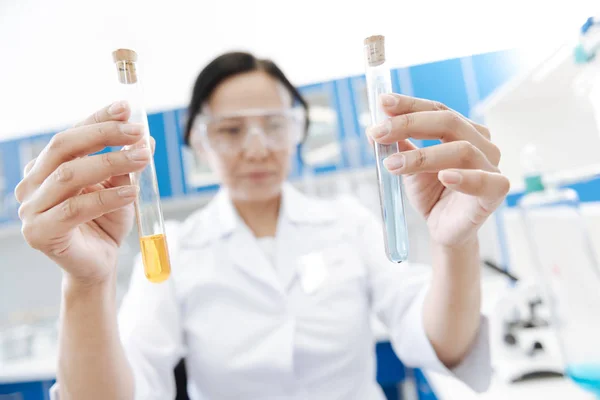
x: 255, y: 145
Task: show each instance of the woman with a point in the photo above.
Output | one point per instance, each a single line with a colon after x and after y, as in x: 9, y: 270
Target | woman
x: 271, y: 291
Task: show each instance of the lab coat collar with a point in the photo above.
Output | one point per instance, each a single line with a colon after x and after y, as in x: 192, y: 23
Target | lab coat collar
x: 301, y: 209
x: 220, y: 217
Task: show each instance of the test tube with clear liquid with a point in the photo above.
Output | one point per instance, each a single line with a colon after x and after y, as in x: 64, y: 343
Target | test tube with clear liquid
x: 391, y: 199
x: 148, y: 213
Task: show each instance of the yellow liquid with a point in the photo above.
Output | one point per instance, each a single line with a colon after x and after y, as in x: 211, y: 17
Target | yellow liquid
x: 155, y: 255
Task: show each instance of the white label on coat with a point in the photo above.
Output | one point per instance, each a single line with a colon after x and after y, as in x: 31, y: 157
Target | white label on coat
x: 313, y: 271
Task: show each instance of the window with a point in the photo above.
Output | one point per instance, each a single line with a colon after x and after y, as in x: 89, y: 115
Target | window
x: 322, y: 147
x: 361, y: 97
x: 3, y: 194
x: 197, y: 170
x: 31, y: 148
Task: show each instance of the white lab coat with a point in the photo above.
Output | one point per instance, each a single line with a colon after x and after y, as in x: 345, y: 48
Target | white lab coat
x: 298, y: 329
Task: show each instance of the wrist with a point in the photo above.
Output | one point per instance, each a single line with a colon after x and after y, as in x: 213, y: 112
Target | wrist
x: 77, y: 288
x: 457, y: 264
x: 469, y: 246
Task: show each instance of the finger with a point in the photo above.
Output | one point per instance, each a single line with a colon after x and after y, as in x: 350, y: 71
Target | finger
x: 84, y: 140
x: 460, y: 154
x: 151, y: 140
x: 403, y: 145
x: 94, y: 188
x: 397, y: 104
x: 443, y: 125
x: 123, y: 180
x: 29, y: 166
x: 117, y: 111
x: 491, y: 187
x: 74, y: 143
x: 72, y: 177
x: 406, y: 145
x: 80, y: 209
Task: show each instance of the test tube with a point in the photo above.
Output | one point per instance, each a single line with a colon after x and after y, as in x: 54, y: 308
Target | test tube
x: 150, y: 224
x: 390, y: 186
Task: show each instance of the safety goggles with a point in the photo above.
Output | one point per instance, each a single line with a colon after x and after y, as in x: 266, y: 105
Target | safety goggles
x: 231, y: 133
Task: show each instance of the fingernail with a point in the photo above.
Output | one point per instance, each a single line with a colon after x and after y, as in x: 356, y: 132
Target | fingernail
x: 394, y: 162
x: 128, y: 191
x: 138, y: 154
x: 450, y: 177
x: 387, y: 100
x: 131, y: 129
x: 116, y: 108
x: 379, y: 131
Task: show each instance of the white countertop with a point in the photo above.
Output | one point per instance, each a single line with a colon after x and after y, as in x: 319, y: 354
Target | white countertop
x: 447, y: 388
x: 28, y: 370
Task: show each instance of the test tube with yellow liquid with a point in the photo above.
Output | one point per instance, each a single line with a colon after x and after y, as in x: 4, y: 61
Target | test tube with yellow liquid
x: 151, y: 230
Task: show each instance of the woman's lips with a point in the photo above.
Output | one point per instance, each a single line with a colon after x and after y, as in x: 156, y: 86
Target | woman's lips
x: 259, y: 175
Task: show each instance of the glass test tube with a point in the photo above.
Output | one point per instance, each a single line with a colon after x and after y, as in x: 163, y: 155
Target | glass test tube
x: 151, y: 231
x: 390, y: 186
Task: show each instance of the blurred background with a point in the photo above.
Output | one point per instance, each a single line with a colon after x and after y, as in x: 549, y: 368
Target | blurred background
x: 526, y: 69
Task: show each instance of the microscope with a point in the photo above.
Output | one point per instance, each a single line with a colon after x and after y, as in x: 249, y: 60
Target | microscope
x: 524, y: 343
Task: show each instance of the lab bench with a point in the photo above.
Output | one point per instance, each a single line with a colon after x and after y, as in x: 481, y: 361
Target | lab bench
x: 32, y: 377
x: 544, y: 388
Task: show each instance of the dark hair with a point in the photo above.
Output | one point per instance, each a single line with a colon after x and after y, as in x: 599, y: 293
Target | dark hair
x: 226, y: 66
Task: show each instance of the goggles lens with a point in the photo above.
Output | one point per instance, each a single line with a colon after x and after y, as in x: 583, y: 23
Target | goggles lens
x: 277, y: 129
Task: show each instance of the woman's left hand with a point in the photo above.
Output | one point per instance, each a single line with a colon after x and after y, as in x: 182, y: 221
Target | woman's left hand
x: 455, y: 185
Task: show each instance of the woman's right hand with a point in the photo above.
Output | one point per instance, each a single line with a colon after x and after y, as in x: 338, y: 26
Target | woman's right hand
x: 76, y: 208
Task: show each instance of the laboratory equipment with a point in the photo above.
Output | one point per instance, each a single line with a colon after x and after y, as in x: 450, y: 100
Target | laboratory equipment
x: 151, y: 231
x: 523, y: 341
x: 391, y: 199
x: 589, y: 41
x: 567, y: 267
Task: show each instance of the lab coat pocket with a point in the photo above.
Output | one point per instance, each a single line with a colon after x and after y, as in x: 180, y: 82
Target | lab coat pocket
x: 335, y: 267
x: 339, y: 302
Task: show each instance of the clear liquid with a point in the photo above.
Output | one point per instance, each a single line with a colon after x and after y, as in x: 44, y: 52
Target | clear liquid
x: 587, y: 376
x: 390, y: 185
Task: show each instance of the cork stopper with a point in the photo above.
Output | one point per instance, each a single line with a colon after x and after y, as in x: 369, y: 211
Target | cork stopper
x: 125, y: 60
x: 375, y: 48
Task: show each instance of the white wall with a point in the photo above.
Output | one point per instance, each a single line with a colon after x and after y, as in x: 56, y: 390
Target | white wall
x: 519, y: 254
x: 563, y: 129
x: 55, y: 55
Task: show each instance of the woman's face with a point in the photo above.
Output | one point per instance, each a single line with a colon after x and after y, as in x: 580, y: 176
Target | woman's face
x: 254, y: 170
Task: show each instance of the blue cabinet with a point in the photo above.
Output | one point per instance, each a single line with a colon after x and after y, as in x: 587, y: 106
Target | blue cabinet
x: 491, y: 70
x: 196, y: 174
x: 442, y: 81
x: 9, y: 177
x: 156, y: 123
x: 14, y: 156
x: 362, y: 117
x: 401, y: 83
x: 26, y: 390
